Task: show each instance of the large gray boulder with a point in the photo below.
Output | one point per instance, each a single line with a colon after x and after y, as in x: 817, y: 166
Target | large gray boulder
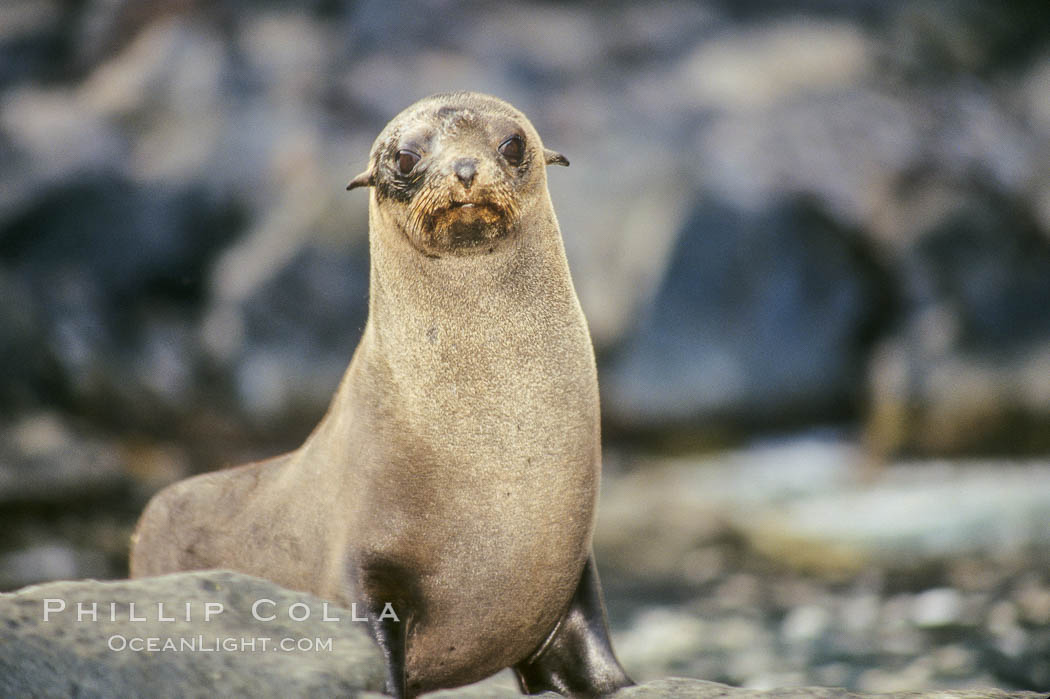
x: 46, y: 652
x: 761, y: 315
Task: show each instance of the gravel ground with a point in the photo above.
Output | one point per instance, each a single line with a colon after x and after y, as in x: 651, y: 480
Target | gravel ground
x: 716, y: 567
x: 962, y: 624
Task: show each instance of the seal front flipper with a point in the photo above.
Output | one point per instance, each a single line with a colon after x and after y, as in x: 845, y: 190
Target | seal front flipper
x: 392, y: 638
x: 577, y: 658
x: 392, y: 602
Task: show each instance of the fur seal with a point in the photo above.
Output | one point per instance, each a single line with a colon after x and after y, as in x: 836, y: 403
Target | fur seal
x: 455, y: 474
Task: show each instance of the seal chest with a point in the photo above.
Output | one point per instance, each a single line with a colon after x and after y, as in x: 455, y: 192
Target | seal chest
x: 456, y: 472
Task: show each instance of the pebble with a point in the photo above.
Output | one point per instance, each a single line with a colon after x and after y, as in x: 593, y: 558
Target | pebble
x: 660, y: 637
x: 50, y: 561
x: 1033, y: 601
x: 805, y: 623
x: 954, y: 661
x: 937, y: 607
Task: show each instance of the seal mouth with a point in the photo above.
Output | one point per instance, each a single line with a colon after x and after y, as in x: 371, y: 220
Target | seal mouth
x: 478, y: 207
x: 446, y: 220
x: 460, y: 227
x: 469, y: 211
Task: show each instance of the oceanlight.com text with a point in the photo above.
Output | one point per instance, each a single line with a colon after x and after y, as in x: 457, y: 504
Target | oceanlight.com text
x: 217, y: 644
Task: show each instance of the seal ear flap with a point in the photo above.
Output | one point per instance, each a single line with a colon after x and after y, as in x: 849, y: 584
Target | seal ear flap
x: 553, y: 157
x: 362, y: 180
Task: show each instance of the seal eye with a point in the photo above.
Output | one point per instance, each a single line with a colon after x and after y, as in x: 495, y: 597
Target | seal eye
x: 513, y: 149
x: 406, y: 160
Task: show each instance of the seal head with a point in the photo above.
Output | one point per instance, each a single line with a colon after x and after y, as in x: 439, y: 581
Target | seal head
x: 455, y: 171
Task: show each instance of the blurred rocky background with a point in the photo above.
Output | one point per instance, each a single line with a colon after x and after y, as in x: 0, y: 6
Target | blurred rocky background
x: 812, y: 239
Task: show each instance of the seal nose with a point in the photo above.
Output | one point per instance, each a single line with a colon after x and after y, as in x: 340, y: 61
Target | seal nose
x: 466, y: 169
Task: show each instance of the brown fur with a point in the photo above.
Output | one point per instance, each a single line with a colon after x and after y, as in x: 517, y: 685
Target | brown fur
x: 463, y: 441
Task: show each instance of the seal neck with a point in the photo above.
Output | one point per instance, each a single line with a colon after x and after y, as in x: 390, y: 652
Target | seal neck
x: 466, y: 290
x: 476, y: 355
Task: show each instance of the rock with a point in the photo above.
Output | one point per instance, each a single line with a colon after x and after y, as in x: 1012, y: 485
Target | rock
x: 1033, y: 599
x: 298, y: 332
x: 1017, y: 646
x: 966, y: 372
x: 30, y: 32
x: 760, y: 318
x: 420, y: 74
x: 801, y: 504
x: 805, y: 623
x: 938, y: 607
x: 43, y: 461
x: 22, y: 364
x: 128, y: 239
x: 54, y: 137
x: 57, y: 655
x: 995, y: 510
x: 66, y: 496
x: 841, y: 147
x: 544, y: 42
x: 936, y: 40
x: 662, y: 637
x: 987, y: 263
x: 50, y: 561
x: 114, y: 270
x: 290, y: 51
x: 759, y: 66
x: 618, y: 238
x: 173, y: 63
x: 662, y: 28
